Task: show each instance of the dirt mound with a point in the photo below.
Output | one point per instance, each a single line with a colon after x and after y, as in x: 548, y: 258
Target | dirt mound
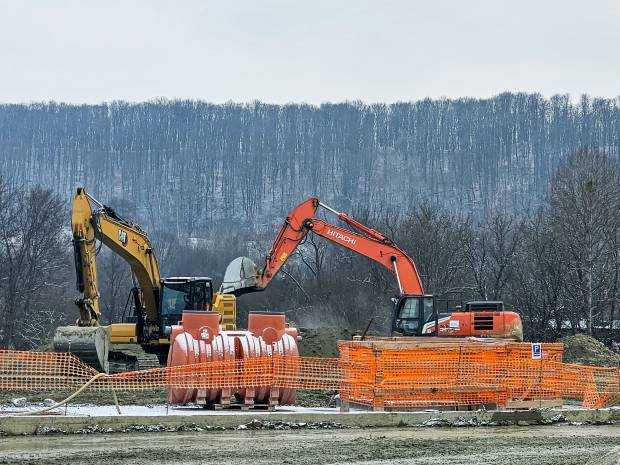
x: 322, y: 342
x: 586, y: 350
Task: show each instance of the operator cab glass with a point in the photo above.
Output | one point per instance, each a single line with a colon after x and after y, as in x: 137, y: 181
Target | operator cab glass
x: 180, y: 294
x: 411, y: 313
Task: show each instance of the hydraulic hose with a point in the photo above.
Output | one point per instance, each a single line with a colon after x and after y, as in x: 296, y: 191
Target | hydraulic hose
x: 72, y: 396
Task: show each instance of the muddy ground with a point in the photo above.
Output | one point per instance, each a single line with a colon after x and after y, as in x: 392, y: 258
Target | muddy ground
x: 304, y: 398
x: 544, y: 445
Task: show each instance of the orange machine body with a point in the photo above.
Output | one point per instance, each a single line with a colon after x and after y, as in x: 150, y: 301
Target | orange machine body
x: 504, y: 324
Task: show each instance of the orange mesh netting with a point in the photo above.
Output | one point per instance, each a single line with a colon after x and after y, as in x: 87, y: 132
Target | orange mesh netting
x: 397, y: 373
x: 376, y: 373
x: 42, y: 370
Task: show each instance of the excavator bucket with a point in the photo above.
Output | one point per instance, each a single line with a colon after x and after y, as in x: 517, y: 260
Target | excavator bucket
x: 90, y: 343
x: 241, y: 277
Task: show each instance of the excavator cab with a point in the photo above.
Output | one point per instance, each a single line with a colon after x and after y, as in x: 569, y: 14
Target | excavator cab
x: 180, y: 294
x: 412, y: 313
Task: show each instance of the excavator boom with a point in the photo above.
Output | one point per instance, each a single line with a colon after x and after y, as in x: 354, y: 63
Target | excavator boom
x: 415, y: 312
x: 123, y: 238
x: 242, y: 276
x: 92, y: 221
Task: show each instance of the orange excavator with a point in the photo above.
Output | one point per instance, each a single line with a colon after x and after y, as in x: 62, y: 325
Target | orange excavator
x: 415, y: 313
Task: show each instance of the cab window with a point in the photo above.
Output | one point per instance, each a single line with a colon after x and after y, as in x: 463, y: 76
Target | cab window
x: 428, y: 310
x: 180, y: 296
x: 410, y: 308
x: 175, y: 299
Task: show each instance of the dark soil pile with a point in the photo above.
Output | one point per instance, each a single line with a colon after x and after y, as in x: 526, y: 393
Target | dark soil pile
x: 322, y: 342
x: 306, y: 398
x: 586, y: 350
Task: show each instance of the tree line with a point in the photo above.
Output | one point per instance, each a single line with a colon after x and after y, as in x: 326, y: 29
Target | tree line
x: 191, y: 167
x: 557, y: 264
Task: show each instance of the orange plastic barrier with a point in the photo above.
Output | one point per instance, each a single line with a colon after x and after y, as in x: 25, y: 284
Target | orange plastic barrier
x: 418, y: 373
x: 21, y: 370
x: 380, y: 373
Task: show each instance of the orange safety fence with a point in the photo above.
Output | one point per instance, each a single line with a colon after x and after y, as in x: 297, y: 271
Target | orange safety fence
x: 24, y: 370
x: 392, y: 373
x: 376, y: 373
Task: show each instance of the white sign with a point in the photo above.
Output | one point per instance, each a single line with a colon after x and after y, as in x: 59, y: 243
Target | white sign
x: 536, y: 351
x: 455, y: 324
x: 122, y: 236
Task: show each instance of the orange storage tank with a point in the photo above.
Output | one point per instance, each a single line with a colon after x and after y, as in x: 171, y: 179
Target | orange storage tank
x: 198, y: 339
x: 249, y: 376
x: 280, y: 340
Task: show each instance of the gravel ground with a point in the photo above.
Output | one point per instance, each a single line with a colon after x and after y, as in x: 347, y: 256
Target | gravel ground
x: 557, y: 444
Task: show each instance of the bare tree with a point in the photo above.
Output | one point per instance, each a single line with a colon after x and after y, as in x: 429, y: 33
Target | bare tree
x: 491, y: 254
x: 584, y: 201
x: 313, y: 255
x: 437, y: 241
x: 537, y: 282
x: 33, y: 263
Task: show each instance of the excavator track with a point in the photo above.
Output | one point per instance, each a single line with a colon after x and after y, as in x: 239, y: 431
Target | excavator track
x: 131, y: 357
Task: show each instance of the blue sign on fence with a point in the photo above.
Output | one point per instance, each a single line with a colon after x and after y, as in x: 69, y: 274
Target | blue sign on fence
x: 536, y: 351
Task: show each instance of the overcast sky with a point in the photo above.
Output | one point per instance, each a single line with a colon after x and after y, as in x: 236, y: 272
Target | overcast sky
x: 305, y: 50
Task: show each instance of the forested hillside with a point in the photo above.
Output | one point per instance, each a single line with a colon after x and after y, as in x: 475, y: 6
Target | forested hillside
x: 514, y: 198
x: 188, y: 166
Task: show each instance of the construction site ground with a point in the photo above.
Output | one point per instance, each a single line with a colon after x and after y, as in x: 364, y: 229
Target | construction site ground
x: 80, y: 418
x: 542, y: 445
x: 90, y: 430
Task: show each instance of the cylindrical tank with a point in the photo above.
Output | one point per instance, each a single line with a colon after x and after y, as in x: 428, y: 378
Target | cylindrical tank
x: 280, y: 340
x: 199, y: 339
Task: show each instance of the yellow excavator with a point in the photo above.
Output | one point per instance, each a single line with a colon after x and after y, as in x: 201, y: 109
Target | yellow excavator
x: 142, y: 341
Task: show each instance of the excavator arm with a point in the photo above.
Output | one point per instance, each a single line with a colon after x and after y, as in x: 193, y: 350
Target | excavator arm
x: 84, y: 253
x: 414, y: 313
x: 91, y: 221
x: 159, y: 303
x: 242, y: 276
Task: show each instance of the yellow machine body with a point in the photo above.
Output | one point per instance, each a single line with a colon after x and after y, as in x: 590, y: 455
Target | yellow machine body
x: 92, y: 221
x: 226, y: 306
x: 123, y: 333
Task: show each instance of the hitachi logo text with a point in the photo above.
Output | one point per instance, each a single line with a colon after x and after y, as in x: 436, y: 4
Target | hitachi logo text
x: 340, y: 236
